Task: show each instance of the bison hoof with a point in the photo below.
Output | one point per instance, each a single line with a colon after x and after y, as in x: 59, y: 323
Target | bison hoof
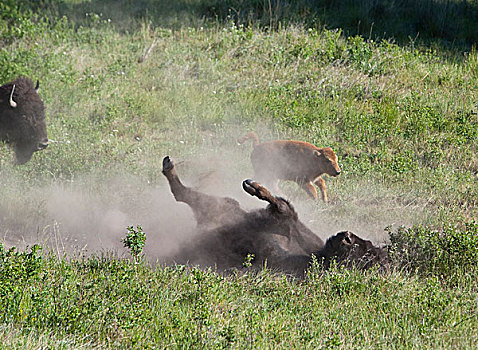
x: 255, y: 189
x: 167, y: 163
x: 250, y: 187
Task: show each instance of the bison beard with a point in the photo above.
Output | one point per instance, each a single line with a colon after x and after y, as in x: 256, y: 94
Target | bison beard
x: 22, y: 118
x: 273, y: 234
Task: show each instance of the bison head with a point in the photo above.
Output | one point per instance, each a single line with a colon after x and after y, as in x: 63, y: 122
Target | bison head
x: 347, y: 248
x: 22, y: 118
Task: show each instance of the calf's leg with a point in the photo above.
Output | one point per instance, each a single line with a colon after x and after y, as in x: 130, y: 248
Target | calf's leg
x: 323, y: 189
x: 309, y: 187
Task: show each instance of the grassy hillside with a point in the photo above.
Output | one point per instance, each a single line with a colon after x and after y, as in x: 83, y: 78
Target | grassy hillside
x: 128, y: 82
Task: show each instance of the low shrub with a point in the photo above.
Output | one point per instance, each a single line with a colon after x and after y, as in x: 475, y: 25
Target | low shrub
x: 439, y: 252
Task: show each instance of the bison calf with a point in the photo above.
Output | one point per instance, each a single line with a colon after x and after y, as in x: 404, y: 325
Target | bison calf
x: 22, y: 118
x: 291, y: 160
x: 273, y: 234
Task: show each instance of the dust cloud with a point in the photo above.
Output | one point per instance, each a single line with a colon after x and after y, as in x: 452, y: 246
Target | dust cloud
x: 90, y: 215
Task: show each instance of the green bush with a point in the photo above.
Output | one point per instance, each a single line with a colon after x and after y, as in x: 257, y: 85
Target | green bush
x: 135, y: 241
x: 429, y: 251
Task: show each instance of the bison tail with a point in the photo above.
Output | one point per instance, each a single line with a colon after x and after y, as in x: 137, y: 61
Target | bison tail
x: 250, y: 135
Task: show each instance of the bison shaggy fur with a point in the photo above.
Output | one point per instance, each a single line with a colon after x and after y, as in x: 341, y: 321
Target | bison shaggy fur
x: 228, y: 233
x: 22, y: 118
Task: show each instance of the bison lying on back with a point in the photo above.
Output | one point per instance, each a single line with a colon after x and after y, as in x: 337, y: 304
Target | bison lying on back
x: 22, y: 118
x: 291, y: 160
x: 228, y: 233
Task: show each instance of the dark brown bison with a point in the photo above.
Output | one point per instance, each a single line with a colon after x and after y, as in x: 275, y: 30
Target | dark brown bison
x: 273, y: 234
x: 291, y: 160
x: 22, y: 118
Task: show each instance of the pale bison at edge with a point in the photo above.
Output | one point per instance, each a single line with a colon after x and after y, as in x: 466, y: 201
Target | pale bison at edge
x: 292, y: 160
x: 228, y: 233
x: 22, y: 118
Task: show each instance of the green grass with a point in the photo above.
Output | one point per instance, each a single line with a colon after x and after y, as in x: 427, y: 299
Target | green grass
x: 107, y: 302
x: 401, y: 115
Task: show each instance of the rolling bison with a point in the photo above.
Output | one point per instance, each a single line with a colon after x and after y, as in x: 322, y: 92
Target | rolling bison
x: 22, y: 118
x: 291, y: 160
x: 273, y: 234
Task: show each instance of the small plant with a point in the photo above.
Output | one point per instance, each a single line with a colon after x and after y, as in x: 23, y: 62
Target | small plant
x: 135, y: 241
x: 248, y: 260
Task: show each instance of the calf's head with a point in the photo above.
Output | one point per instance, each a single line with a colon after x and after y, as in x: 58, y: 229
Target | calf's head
x: 327, y: 161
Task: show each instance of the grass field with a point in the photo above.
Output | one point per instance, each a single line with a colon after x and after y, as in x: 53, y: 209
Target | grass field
x: 129, y: 82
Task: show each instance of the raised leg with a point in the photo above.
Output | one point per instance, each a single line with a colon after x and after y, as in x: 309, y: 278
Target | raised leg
x: 286, y: 222
x: 259, y: 191
x: 209, y: 211
x: 180, y: 192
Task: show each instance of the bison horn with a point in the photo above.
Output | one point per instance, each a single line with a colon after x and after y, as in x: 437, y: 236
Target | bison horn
x: 37, y: 87
x: 12, y: 103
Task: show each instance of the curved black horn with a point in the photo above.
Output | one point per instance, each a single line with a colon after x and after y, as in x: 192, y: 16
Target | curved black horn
x: 12, y: 103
